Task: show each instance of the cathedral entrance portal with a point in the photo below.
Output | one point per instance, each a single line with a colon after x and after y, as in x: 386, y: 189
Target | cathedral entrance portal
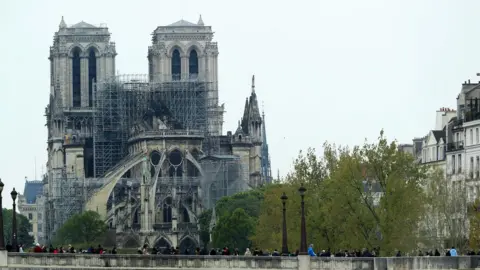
x: 162, y: 244
x: 187, y: 246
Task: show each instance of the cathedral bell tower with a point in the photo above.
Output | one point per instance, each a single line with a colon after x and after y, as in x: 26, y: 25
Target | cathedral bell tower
x: 81, y: 54
x: 185, y: 51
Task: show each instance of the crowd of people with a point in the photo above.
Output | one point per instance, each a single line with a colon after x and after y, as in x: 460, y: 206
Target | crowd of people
x: 145, y: 250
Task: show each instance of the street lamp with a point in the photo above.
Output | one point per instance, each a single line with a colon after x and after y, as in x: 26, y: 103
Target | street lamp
x: 2, y: 237
x: 14, y: 221
x: 284, y: 231
x: 303, y: 233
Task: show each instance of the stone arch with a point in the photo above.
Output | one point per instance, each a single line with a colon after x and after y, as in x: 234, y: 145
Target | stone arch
x: 194, y: 45
x: 162, y: 238
x: 195, y: 163
x: 98, y: 202
x: 167, y: 210
x: 94, y: 47
x: 178, y: 46
x: 72, y: 48
x: 131, y: 241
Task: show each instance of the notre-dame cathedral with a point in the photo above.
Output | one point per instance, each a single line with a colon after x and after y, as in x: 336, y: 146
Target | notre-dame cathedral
x: 146, y: 152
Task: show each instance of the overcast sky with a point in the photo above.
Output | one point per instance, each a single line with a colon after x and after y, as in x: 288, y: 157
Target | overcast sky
x: 325, y: 70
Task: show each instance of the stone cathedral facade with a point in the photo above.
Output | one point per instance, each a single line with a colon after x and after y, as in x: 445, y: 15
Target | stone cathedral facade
x: 147, y: 153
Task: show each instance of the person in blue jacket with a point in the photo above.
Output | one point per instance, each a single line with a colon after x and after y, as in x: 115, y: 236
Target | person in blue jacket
x: 453, y: 252
x: 310, y: 251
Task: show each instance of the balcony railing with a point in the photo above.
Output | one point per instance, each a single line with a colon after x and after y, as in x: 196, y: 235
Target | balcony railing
x: 454, y: 146
x: 472, y: 116
x: 457, y: 124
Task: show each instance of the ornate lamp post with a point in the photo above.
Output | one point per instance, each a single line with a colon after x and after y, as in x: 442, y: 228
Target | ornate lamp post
x: 14, y: 221
x: 284, y: 231
x: 2, y: 237
x: 303, y: 228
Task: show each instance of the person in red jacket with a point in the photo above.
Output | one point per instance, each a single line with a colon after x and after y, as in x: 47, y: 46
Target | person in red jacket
x: 37, y: 248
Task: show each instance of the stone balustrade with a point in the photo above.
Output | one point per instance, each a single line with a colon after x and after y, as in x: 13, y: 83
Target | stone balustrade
x: 67, y: 261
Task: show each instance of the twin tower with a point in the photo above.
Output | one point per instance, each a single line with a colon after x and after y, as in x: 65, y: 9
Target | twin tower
x: 83, y: 53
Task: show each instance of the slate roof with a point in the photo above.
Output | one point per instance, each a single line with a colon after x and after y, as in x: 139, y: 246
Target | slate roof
x: 31, y: 190
x: 439, y: 134
x: 182, y: 23
x: 83, y: 24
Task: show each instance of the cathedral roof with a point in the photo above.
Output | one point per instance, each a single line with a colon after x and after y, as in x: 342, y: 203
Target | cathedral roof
x: 83, y: 24
x: 31, y: 190
x: 182, y: 22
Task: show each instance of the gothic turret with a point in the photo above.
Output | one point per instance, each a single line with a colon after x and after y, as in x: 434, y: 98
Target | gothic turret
x: 252, y: 121
x: 266, y: 167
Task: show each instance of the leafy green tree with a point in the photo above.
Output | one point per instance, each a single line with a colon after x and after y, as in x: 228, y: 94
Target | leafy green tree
x: 23, y: 228
x: 233, y: 230
x: 250, y: 201
x: 84, y: 228
x: 445, y: 201
x: 370, y: 196
x: 474, y: 230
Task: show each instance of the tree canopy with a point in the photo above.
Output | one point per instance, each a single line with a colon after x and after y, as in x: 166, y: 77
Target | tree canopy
x: 236, y: 216
x: 83, y: 228
x: 364, y: 197
x: 23, y: 228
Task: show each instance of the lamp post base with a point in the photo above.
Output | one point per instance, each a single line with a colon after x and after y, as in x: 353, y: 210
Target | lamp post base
x: 303, y: 262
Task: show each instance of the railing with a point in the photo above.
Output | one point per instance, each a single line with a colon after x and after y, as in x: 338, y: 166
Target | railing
x: 472, y: 116
x: 167, y: 133
x: 179, y: 180
x: 454, y: 146
x: 457, y: 124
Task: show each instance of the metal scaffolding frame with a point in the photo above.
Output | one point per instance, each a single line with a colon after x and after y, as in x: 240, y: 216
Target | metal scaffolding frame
x: 123, y: 101
x: 223, y: 176
x: 64, y: 198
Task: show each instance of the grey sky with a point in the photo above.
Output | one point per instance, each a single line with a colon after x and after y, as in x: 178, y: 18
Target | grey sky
x: 326, y: 70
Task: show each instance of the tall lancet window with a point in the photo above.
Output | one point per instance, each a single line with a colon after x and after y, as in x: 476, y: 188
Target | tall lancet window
x: 92, y: 75
x: 76, y: 85
x: 176, y: 65
x: 193, y: 64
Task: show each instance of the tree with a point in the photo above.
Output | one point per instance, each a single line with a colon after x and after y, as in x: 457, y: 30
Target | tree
x: 249, y: 202
x: 355, y: 198
x: 444, y: 223
x: 474, y: 230
x: 23, y: 228
x: 233, y: 230
x: 83, y: 228
x: 204, y: 221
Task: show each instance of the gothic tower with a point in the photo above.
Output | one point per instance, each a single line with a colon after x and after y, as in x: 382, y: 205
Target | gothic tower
x: 185, y: 51
x: 81, y: 54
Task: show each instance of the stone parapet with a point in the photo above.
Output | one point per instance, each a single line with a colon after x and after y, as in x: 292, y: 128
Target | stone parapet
x: 132, y: 261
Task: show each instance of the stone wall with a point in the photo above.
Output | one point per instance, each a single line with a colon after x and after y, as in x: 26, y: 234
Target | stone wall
x: 26, y: 260
x: 47, y: 261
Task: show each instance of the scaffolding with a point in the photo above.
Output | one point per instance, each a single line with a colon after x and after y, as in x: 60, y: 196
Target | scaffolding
x: 126, y: 101
x: 64, y: 198
x: 223, y: 176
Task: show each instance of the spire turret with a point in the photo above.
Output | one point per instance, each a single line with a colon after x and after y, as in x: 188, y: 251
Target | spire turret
x: 62, y: 24
x: 253, y: 84
x: 200, y: 21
